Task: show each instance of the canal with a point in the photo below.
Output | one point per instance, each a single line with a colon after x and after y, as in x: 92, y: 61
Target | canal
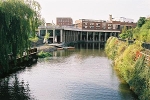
x: 79, y: 74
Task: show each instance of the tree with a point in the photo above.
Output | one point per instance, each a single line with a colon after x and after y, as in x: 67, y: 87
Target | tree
x: 144, y: 32
x: 19, y: 18
x: 46, y: 37
x: 141, y: 21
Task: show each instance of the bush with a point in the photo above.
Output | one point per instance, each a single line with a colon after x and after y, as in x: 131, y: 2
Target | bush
x: 44, y: 54
x: 135, y: 71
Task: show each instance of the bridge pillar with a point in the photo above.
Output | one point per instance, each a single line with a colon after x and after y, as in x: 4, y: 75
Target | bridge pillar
x: 69, y: 36
x: 86, y: 45
x: 77, y: 36
x: 74, y: 35
x: 110, y: 34
x: 93, y: 36
x: 61, y: 35
x: 87, y: 36
x: 93, y: 45
x: 115, y: 34
x: 99, y: 36
x: 67, y: 33
x: 105, y: 36
x: 53, y: 35
x: 81, y: 36
x: 46, y: 30
x: 99, y: 45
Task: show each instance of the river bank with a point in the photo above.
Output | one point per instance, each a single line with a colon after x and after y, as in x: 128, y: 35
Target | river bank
x: 131, y: 64
x: 46, y: 48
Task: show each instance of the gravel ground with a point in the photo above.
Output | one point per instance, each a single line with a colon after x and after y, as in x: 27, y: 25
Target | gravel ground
x: 46, y: 48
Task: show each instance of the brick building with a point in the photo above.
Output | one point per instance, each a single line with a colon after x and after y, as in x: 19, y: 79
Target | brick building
x: 112, y: 24
x: 64, y: 21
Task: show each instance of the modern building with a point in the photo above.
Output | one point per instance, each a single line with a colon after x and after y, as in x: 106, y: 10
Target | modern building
x: 64, y: 21
x: 84, y: 30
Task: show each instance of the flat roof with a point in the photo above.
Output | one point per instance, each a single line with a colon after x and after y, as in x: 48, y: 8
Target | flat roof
x: 74, y: 29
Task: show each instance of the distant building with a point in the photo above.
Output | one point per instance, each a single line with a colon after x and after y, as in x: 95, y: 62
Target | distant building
x: 123, y: 19
x: 64, y: 21
x: 111, y: 24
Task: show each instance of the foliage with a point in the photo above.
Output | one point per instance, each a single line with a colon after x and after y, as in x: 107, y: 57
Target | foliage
x: 111, y: 46
x: 34, y: 39
x: 126, y: 34
x: 136, y: 33
x: 141, y: 32
x: 19, y: 18
x: 141, y: 21
x: 135, y: 71
x: 144, y: 32
x: 44, y: 54
x: 46, y: 37
x: 140, y: 81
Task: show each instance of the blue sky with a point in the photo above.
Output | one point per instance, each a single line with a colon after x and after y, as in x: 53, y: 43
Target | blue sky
x: 94, y: 9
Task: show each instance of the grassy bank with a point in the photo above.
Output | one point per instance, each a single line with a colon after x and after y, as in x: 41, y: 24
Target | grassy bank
x: 134, y: 70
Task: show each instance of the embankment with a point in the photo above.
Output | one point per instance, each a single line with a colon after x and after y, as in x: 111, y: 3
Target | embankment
x: 132, y: 63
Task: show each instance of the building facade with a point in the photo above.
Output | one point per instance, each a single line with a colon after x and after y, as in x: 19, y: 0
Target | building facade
x: 86, y: 30
x: 111, y: 24
x: 64, y: 21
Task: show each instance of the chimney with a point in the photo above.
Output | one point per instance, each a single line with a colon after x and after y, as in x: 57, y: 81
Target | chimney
x: 110, y: 18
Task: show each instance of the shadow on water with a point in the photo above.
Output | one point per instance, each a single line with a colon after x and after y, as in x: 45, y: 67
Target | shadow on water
x: 13, y: 89
x: 18, y: 67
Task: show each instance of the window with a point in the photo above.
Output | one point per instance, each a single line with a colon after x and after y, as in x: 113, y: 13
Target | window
x: 109, y: 24
x: 104, y: 27
x: 85, y: 23
x: 85, y: 26
x: 91, y: 26
x: 98, y: 24
x: 109, y: 28
x: 91, y: 23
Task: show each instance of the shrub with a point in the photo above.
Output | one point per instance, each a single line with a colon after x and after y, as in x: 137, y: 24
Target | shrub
x: 42, y: 54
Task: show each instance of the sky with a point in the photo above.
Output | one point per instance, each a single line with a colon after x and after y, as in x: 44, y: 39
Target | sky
x: 93, y: 9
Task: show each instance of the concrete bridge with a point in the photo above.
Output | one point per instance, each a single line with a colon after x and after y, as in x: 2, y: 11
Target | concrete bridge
x: 71, y: 34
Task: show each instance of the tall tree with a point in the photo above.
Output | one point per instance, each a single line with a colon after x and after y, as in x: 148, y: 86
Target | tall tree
x: 19, y: 18
x: 141, y: 21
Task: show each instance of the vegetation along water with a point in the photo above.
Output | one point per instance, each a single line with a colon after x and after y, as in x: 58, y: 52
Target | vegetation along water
x: 132, y: 60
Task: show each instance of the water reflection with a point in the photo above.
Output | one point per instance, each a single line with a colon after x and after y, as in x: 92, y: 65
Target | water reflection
x: 90, y: 45
x: 13, y: 89
x: 79, y: 74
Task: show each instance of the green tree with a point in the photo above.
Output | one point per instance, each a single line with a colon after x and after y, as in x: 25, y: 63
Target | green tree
x: 46, y: 37
x: 144, y: 32
x: 19, y: 18
x: 141, y: 21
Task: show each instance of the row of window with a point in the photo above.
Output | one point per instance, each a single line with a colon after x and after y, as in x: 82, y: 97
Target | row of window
x: 64, y: 21
x: 98, y: 24
x: 86, y: 23
x: 97, y: 27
